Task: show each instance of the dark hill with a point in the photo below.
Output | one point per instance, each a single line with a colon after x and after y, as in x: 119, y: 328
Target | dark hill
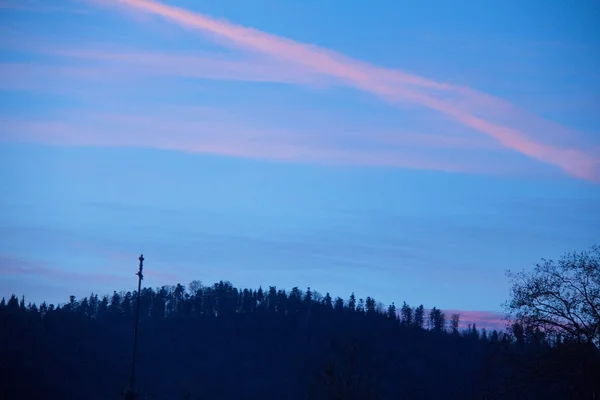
x: 221, y: 342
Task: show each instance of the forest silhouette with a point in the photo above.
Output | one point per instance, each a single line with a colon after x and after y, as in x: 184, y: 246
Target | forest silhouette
x: 222, y: 342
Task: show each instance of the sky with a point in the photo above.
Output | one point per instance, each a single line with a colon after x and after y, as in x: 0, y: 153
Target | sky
x: 410, y: 151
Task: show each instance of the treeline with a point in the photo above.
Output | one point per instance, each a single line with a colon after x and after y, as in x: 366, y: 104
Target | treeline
x: 221, y: 342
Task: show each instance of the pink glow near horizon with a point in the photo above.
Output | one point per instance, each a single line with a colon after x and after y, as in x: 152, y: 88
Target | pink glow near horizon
x: 390, y: 85
x: 483, y: 319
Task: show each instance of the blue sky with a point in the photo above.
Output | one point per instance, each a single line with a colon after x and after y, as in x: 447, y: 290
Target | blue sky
x: 400, y: 150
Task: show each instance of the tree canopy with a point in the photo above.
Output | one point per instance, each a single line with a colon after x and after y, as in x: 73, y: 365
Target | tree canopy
x: 560, y: 298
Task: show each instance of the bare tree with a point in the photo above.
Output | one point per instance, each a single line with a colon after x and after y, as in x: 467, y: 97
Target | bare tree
x: 560, y: 297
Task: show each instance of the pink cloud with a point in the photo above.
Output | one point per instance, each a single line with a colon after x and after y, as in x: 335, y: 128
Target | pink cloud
x: 27, y: 76
x: 182, y: 131
x: 473, y: 109
x: 22, y: 76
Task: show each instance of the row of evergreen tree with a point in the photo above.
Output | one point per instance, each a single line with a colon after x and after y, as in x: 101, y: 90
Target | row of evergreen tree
x: 224, y: 300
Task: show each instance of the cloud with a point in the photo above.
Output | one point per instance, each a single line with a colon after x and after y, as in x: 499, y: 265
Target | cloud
x: 475, y: 110
x: 36, y: 6
x: 25, y: 267
x: 119, y: 63
x: 212, y: 131
x: 197, y: 65
x: 117, y: 257
x: 186, y: 129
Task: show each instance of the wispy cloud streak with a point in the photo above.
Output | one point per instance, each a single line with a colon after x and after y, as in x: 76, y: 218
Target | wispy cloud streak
x: 18, y: 267
x: 116, y: 257
x: 36, y: 6
x: 208, y: 131
x: 211, y: 66
x: 466, y: 106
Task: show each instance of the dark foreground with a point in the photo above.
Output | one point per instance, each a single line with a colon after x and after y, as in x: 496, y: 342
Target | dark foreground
x: 223, y: 343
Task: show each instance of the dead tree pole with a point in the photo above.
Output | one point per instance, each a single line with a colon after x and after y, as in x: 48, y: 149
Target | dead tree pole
x: 130, y: 391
